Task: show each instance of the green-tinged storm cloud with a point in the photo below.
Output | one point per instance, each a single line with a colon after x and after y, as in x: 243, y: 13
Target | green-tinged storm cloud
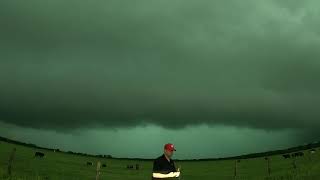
x: 72, y: 65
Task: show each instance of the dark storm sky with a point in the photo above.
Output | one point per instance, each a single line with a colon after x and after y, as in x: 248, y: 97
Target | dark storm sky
x: 220, y: 69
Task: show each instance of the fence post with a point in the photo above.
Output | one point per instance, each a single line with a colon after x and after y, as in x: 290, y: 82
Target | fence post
x: 269, y: 170
x: 11, y: 161
x: 235, y: 169
x: 310, y: 155
x: 98, y: 170
x: 294, y: 163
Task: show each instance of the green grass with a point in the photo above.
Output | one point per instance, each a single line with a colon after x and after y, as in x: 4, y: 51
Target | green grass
x: 60, y: 166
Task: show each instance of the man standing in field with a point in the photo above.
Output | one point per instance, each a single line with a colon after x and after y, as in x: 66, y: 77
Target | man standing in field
x: 164, y: 166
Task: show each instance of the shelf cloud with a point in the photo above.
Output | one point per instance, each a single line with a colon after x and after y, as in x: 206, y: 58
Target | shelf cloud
x: 79, y: 64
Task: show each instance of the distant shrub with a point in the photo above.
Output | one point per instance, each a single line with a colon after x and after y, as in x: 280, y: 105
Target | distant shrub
x: 107, y: 156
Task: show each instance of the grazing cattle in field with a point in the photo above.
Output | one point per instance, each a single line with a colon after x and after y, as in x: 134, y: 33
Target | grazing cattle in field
x: 104, y: 165
x: 137, y: 166
x: 129, y: 166
x: 39, y: 154
x: 297, y: 154
x: 266, y: 158
x: 89, y: 163
x: 286, y: 156
x: 312, y: 151
x: 238, y: 160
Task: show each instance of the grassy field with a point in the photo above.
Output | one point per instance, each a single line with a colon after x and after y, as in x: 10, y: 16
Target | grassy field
x: 63, y: 166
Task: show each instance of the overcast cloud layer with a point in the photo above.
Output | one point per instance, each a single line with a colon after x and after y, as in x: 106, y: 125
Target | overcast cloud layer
x: 80, y: 64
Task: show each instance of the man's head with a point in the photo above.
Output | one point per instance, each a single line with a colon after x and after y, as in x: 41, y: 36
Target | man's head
x: 168, y: 149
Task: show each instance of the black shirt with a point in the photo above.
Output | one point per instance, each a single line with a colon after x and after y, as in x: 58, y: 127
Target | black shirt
x: 162, y: 165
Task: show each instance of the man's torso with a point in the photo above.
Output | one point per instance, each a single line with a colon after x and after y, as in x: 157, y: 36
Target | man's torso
x: 162, y: 165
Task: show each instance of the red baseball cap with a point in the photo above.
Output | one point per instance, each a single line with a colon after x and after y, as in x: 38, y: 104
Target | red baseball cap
x: 169, y: 147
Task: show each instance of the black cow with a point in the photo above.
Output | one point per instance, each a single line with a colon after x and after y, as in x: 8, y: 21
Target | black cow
x: 286, y: 156
x: 104, y: 165
x: 297, y: 154
x: 39, y: 154
x: 137, y: 166
x: 129, y: 166
x: 89, y: 163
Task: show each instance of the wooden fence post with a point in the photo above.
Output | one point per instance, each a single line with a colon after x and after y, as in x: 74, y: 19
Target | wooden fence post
x: 11, y: 158
x: 294, y: 163
x: 269, y: 170
x: 98, y: 170
x: 179, y: 170
x: 235, y: 169
x: 268, y: 165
